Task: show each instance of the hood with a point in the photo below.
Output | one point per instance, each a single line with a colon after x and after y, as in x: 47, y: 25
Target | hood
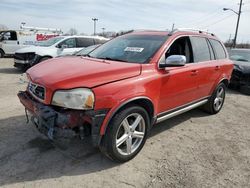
x: 35, y: 49
x: 72, y: 72
x: 242, y: 66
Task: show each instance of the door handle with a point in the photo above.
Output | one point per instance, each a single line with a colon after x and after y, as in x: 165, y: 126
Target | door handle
x: 194, y: 72
x: 217, y: 67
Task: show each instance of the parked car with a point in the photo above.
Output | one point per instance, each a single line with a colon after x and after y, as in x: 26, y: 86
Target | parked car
x: 57, y: 46
x: 125, y: 86
x: 241, y: 73
x: 12, y: 40
x: 84, y: 51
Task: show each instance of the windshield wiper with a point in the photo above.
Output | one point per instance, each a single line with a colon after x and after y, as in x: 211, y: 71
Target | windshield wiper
x: 85, y: 55
x: 112, y: 59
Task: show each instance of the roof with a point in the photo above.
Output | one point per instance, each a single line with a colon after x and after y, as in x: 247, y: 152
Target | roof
x: 181, y: 31
x: 84, y: 36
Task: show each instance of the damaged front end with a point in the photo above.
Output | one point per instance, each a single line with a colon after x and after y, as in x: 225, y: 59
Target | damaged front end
x: 56, y: 122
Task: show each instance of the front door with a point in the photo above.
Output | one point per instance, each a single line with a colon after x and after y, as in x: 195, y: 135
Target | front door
x: 178, y: 84
x: 67, y: 47
x: 10, y: 43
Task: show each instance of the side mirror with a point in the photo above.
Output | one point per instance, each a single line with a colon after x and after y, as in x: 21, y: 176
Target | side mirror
x: 174, y: 61
x: 62, y: 46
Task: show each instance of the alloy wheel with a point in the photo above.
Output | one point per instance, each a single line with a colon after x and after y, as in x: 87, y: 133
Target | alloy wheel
x: 130, y: 134
x: 219, y: 98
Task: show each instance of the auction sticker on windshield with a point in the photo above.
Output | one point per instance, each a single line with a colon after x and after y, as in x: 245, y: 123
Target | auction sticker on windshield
x: 133, y: 49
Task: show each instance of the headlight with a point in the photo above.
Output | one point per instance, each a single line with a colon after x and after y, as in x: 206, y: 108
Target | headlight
x: 80, y: 99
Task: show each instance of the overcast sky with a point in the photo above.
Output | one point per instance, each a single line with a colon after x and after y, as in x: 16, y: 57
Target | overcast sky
x: 116, y: 15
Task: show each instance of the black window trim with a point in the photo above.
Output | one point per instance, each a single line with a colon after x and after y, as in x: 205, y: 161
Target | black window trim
x: 210, y: 47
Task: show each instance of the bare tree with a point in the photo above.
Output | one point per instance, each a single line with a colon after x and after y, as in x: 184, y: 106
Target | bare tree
x: 72, y: 31
x: 3, y: 27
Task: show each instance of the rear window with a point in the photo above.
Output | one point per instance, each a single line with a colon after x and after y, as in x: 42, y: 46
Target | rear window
x: 200, y: 49
x: 218, y: 49
x: 84, y: 42
x: 100, y: 41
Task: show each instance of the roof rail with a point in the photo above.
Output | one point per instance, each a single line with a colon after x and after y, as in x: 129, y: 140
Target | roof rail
x: 190, y: 29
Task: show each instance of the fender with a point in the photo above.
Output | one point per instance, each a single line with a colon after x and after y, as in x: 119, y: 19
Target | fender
x: 116, y: 108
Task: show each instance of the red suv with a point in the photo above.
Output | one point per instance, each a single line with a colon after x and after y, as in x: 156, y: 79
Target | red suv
x: 120, y: 90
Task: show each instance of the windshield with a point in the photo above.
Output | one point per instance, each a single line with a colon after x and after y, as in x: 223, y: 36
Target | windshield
x: 130, y: 48
x: 49, y: 42
x: 240, y: 55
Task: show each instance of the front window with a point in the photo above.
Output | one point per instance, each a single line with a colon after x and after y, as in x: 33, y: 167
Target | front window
x: 130, y: 48
x: 49, y: 42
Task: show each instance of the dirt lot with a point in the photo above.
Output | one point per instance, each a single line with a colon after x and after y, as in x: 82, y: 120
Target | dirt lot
x: 191, y: 150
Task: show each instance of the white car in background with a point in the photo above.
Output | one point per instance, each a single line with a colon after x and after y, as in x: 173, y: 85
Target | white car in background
x: 54, y: 47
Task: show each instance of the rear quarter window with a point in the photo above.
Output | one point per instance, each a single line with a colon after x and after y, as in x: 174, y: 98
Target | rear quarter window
x: 200, y: 49
x: 219, y: 51
x: 84, y: 42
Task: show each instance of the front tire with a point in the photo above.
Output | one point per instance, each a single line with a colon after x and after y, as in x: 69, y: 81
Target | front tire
x: 1, y: 53
x: 126, y: 134
x: 216, y: 101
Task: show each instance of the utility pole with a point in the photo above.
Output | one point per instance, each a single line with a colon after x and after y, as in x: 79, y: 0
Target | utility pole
x: 103, y: 29
x: 238, y: 21
x: 95, y: 20
x: 237, y: 25
x: 173, y: 27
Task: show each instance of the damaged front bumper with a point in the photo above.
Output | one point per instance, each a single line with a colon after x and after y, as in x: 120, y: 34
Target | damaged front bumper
x: 57, y: 122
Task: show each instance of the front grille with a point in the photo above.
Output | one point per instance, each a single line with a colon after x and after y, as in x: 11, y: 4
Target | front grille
x: 37, y: 90
x: 24, y: 56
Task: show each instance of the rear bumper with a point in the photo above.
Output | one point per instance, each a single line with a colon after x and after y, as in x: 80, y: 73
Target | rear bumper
x: 58, y: 122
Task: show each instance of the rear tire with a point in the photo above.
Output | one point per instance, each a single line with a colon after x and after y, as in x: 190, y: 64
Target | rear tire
x: 216, y: 101
x: 126, y: 134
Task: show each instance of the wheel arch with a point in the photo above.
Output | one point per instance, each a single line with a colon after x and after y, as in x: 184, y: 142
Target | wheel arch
x: 1, y: 50
x: 142, y: 101
x: 224, y: 80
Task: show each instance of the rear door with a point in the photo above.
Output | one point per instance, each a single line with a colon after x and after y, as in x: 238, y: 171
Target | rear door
x: 205, y: 63
x: 220, y: 56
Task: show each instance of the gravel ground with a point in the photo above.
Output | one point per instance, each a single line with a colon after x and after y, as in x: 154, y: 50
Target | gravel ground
x: 191, y: 150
